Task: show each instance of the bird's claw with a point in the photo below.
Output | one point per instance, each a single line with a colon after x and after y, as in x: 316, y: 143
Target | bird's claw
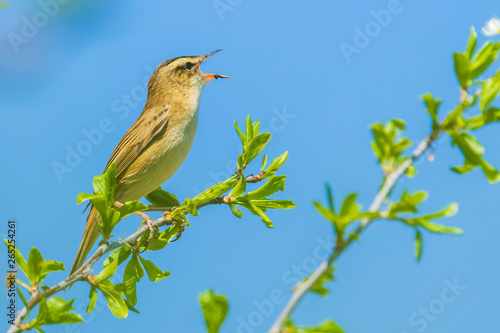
x: 152, y: 228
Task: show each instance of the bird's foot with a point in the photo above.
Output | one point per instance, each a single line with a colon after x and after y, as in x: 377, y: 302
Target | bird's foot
x: 151, y: 226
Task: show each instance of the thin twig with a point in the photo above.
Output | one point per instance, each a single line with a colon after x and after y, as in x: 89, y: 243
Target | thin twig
x: 341, y: 244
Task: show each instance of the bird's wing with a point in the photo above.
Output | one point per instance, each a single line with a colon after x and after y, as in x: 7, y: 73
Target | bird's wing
x: 137, y: 138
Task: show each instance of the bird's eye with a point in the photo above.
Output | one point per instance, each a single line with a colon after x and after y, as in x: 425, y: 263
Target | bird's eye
x: 189, y: 65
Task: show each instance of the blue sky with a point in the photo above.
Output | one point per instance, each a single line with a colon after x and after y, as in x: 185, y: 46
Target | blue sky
x: 287, y: 69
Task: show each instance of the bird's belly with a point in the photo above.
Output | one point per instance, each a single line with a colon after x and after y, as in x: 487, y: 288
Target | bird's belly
x: 157, y: 163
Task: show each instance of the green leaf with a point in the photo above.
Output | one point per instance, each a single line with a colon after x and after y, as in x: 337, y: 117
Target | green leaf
x: 239, y: 189
x: 256, y: 127
x: 131, y: 207
x: 93, y: 299
x: 349, y: 206
x: 55, y: 311
x: 329, y: 197
x: 238, y: 213
x: 318, y: 286
x: 85, y: 196
x: 21, y: 263
x: 437, y: 228
x: 3, y: 4
x: 133, y: 270
x: 249, y: 129
x: 264, y: 163
x: 471, y: 46
x: 273, y: 204
x: 484, y: 58
x: 467, y: 167
x: 103, y: 200
x: 432, y: 108
x: 275, y: 165
x: 165, y: 237
x: 59, y: 311
x: 491, y: 114
x: 326, y: 213
x: 215, y: 308
x: 131, y: 307
x: 240, y: 134
x: 154, y: 273
x: 119, y: 256
x: 215, y: 191
x: 411, y: 171
x: 129, y: 289
x: 450, y: 210
x: 273, y: 185
x: 267, y: 221
x: 255, y: 146
x: 35, y: 264
x: 473, y: 151
x: 116, y: 303
x: 161, y: 198
x: 408, y: 202
x: 491, y: 88
x: 105, y: 184
x: 25, y: 302
x: 418, y: 245
x: 111, y: 263
x: 49, y: 266
x: 190, y: 207
x: 462, y: 69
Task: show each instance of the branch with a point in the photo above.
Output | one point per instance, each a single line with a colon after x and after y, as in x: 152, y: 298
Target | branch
x: 341, y: 244
x: 80, y: 275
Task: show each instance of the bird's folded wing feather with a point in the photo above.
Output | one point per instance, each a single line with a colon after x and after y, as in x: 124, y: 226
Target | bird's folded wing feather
x: 137, y: 138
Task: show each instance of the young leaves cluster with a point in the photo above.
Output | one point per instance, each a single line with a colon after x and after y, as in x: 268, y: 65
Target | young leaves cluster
x: 257, y: 201
x: 406, y: 209
x: 123, y: 297
x: 388, y: 145
x: 349, y: 212
x: 53, y: 311
x: 469, y: 66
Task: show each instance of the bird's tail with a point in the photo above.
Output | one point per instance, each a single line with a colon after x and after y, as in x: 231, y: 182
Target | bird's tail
x: 90, y: 236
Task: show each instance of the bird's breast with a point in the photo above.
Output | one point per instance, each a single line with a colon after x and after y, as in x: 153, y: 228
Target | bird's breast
x: 162, y: 157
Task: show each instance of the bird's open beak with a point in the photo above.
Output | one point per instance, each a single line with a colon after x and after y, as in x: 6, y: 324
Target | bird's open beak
x: 209, y: 77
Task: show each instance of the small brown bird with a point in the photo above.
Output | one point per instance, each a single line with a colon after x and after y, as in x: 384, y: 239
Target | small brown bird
x: 155, y: 146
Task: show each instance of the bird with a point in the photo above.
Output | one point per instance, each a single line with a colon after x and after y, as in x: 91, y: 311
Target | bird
x: 157, y: 143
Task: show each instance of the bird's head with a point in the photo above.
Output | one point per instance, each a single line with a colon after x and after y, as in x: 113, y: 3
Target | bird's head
x: 181, y: 75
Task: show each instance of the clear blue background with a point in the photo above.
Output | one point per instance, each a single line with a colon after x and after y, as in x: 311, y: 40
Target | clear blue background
x: 281, y: 55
